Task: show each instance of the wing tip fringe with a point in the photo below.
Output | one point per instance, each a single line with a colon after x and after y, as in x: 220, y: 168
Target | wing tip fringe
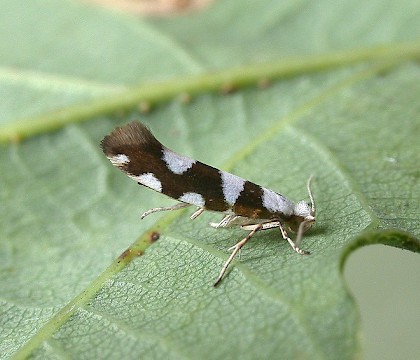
x: 132, y: 134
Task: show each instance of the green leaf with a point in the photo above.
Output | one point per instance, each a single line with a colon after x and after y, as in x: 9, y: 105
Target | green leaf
x: 66, y: 214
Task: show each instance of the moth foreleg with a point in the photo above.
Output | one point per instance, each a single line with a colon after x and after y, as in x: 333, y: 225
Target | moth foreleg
x: 290, y: 241
x: 237, y: 248
x: 165, y: 208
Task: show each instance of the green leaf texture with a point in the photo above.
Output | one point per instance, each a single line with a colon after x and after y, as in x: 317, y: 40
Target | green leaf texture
x: 82, y: 277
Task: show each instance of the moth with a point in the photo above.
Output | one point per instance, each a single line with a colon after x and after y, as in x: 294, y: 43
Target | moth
x: 134, y: 150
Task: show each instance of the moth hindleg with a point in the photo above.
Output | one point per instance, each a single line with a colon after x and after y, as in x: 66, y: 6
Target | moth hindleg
x: 225, y: 222
x: 165, y: 208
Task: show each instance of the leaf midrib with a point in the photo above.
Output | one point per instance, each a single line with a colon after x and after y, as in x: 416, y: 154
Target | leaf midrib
x: 238, y: 77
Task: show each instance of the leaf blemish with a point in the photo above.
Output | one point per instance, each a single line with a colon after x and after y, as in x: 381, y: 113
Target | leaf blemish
x: 154, y: 236
x: 125, y: 254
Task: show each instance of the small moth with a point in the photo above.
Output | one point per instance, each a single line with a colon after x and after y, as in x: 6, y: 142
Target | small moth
x: 134, y: 150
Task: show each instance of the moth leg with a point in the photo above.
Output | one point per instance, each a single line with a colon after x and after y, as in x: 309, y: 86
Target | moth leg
x: 265, y: 226
x: 236, y: 249
x: 290, y: 241
x: 225, y: 222
x: 165, y: 208
x: 197, y: 213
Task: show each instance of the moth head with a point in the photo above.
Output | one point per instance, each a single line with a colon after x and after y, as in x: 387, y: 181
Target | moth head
x: 303, y: 213
x: 303, y: 217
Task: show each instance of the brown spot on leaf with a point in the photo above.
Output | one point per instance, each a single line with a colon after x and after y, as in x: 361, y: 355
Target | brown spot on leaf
x: 228, y: 88
x: 125, y: 254
x: 145, y: 107
x: 264, y: 83
x: 185, y: 98
x: 154, y: 236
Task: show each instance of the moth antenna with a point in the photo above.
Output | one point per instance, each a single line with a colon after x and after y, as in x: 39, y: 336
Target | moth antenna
x: 311, y: 196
